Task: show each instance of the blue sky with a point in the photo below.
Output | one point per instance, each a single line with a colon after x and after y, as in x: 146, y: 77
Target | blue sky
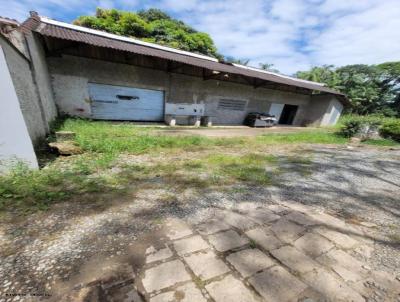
x: 291, y: 34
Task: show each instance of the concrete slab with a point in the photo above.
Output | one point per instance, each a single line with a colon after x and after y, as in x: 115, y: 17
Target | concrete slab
x: 313, y: 244
x: 264, y: 238
x: 153, y: 255
x: 263, y: 216
x: 301, y: 218
x: 248, y: 262
x: 286, y: 230
x: 212, y: 226
x: 277, y: 284
x: 340, y: 239
x: 330, y: 286
x: 176, y: 229
x: 206, y: 265
x: 294, y: 259
x: 338, y: 259
x: 276, y: 208
x: 228, y: 240
x: 185, y: 293
x: 190, y: 245
x: 230, y: 289
x: 164, y: 275
x: 238, y: 221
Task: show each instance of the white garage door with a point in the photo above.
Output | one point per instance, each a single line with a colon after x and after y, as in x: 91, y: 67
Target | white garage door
x: 126, y: 103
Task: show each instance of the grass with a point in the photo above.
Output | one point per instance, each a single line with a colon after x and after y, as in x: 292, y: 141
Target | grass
x: 198, y: 162
x: 318, y: 136
x: 384, y: 142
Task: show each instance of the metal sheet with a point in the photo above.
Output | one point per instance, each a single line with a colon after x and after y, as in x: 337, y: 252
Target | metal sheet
x: 110, y: 102
x: 276, y: 109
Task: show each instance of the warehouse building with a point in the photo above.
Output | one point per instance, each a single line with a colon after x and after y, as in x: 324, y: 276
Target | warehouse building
x: 59, y: 68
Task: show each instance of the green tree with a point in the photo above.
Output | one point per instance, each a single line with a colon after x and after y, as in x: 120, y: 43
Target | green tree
x: 370, y: 88
x: 151, y: 25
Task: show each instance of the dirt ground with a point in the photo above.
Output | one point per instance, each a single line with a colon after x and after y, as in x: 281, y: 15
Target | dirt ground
x: 74, y: 245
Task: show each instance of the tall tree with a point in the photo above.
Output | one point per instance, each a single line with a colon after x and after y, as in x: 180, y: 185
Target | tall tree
x: 151, y: 25
x: 370, y: 88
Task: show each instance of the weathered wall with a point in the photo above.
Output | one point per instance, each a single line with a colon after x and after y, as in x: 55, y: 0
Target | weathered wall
x: 323, y: 110
x: 15, y: 143
x: 42, y: 77
x: 20, y: 71
x: 70, y: 76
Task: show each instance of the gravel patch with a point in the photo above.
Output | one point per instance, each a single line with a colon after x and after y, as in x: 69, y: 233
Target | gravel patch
x: 358, y: 184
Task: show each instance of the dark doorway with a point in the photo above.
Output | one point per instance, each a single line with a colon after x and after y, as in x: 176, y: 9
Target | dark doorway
x: 288, y: 114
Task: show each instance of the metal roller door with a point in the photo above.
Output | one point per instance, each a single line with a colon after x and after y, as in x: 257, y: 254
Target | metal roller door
x: 110, y: 102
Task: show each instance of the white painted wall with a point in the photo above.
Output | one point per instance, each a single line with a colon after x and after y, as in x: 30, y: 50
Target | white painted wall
x: 15, y: 143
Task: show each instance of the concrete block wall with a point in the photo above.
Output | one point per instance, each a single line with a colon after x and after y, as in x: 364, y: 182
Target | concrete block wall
x: 26, y: 91
x: 42, y: 77
x: 323, y: 110
x: 15, y: 142
x: 70, y: 76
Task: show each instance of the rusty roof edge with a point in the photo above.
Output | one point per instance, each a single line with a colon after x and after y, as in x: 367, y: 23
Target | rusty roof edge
x: 34, y: 21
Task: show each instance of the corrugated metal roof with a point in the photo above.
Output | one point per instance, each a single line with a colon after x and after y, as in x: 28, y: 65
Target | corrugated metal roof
x: 60, y: 30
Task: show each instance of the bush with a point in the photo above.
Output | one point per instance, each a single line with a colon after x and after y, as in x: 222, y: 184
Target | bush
x: 351, y: 128
x: 391, y: 130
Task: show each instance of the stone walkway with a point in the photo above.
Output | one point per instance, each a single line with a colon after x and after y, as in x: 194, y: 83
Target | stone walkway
x: 285, y: 252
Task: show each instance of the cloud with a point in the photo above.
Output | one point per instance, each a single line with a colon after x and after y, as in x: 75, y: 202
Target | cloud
x: 291, y: 34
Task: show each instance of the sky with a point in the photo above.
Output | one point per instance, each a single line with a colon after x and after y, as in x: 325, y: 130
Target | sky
x: 291, y: 34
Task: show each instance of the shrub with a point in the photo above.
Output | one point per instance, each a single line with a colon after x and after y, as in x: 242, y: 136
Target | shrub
x: 391, y: 130
x: 351, y: 128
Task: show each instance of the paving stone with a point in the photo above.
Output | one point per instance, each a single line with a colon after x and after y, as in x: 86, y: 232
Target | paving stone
x: 230, y: 289
x: 287, y: 231
x: 277, y: 284
x: 236, y: 220
x: 313, y: 244
x: 343, y: 264
x: 250, y: 261
x: 338, y: 238
x: 190, y: 245
x: 212, y: 226
x: 165, y: 275
x: 206, y: 265
x: 226, y: 241
x: 330, y: 286
x: 346, y: 274
x: 387, y: 281
x: 264, y: 238
x: 328, y: 220
x: 185, y: 293
x: 301, y: 218
x: 276, y: 208
x: 294, y: 259
x: 263, y: 216
x: 177, y: 229
x: 297, y: 206
x: 153, y: 255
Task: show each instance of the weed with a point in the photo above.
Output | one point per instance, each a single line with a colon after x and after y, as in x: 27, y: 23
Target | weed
x: 253, y: 244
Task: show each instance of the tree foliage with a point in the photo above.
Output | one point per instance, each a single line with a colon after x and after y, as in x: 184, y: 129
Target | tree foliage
x: 370, y: 88
x: 151, y: 25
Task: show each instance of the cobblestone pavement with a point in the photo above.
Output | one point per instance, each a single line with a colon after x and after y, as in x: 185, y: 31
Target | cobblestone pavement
x: 330, y: 236
x: 284, y: 252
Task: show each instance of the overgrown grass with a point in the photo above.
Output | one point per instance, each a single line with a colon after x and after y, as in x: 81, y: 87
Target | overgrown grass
x: 384, y: 142
x: 319, y: 136
x: 225, y: 161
